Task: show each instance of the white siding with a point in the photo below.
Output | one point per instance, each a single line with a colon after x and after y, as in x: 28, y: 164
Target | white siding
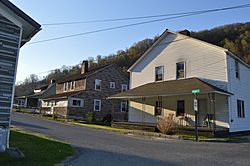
x: 241, y: 90
x: 202, y: 60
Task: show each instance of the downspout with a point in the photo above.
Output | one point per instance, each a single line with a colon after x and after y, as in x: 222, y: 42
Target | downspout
x: 14, y: 82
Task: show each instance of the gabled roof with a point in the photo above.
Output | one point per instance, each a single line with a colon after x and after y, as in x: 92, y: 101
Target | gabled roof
x: 170, y: 88
x: 167, y: 31
x: 30, y: 26
x: 79, y: 76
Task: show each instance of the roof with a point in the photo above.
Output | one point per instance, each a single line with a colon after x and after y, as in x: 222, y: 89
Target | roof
x: 79, y: 76
x: 167, y: 31
x: 31, y: 27
x: 62, y: 95
x: 170, y: 88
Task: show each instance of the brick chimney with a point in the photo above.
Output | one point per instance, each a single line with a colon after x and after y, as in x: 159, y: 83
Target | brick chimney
x: 85, y: 67
x: 185, y: 32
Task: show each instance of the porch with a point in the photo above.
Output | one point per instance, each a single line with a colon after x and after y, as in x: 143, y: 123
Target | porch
x: 152, y: 101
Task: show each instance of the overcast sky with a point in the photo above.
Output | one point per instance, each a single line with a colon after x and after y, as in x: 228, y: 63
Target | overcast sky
x: 41, y: 57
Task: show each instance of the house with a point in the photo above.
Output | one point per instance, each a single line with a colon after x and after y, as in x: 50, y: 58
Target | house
x: 33, y: 101
x: 164, y: 79
x: 16, y: 28
x: 87, y: 91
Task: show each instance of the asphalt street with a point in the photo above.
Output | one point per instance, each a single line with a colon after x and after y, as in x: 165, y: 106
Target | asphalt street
x: 100, y: 147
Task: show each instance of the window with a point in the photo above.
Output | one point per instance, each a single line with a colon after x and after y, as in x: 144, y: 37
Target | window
x: 65, y: 86
x: 237, y: 69
x: 240, y: 109
x: 159, y: 73
x: 124, y: 87
x: 72, y: 85
x: 97, y: 105
x: 180, y: 70
x: 158, y: 108
x: 180, y: 108
x: 112, y: 85
x: 98, y: 84
x: 124, y: 107
x: 77, y: 103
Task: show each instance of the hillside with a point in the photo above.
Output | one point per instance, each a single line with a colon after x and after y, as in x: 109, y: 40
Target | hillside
x: 235, y: 37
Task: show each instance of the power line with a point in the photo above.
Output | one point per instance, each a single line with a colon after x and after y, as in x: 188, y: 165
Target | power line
x: 139, y: 23
x: 143, y: 17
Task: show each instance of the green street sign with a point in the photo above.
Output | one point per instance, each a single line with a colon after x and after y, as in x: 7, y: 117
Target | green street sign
x: 196, y: 91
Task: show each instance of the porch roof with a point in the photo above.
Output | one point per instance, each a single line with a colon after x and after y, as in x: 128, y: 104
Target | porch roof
x: 170, y: 88
x: 62, y: 95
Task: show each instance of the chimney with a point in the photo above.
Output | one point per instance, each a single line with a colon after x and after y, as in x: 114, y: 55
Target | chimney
x: 185, y: 32
x: 85, y: 67
x: 52, y: 81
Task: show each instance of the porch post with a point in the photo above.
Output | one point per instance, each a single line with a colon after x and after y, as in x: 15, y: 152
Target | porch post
x: 212, y: 105
x: 143, y: 108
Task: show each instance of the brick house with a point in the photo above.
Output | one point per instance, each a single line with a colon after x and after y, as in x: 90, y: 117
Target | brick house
x: 87, y: 91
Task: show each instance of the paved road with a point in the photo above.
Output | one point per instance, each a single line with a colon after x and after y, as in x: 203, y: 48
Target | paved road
x: 98, y: 147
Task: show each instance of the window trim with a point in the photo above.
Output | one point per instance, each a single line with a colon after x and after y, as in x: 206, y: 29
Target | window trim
x: 184, y: 72
x: 162, y: 73
x: 237, y: 69
x: 240, y: 108
x: 112, y: 83
x: 72, y: 85
x: 122, y: 89
x: 126, y: 106
x: 81, y: 102
x: 65, y: 86
x: 97, y: 80
x: 100, y: 101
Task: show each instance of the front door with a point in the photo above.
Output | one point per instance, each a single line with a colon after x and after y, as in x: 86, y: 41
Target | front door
x: 202, y: 112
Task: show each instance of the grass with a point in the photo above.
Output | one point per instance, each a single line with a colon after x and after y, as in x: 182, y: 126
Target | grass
x: 38, y: 150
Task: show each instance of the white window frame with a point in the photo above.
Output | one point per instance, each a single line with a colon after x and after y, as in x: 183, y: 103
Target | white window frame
x: 97, y: 100
x: 122, y: 89
x: 184, y: 72
x: 65, y: 87
x: 81, y: 102
x: 241, y: 109
x: 237, y: 69
x: 126, y: 106
x: 112, y: 85
x: 96, y: 82
x: 162, y: 67
x: 72, y: 85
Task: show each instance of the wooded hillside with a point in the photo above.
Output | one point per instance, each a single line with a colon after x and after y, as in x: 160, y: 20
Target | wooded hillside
x: 235, y: 37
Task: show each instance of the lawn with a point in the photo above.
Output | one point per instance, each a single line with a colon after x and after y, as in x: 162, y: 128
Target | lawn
x: 38, y: 150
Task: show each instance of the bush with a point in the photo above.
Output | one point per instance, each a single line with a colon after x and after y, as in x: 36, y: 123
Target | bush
x: 89, y: 117
x: 167, y: 125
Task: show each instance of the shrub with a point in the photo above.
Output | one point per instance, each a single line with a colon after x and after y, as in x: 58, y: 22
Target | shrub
x: 167, y: 125
x: 89, y: 117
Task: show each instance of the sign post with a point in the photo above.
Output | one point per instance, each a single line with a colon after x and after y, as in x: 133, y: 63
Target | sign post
x: 195, y: 91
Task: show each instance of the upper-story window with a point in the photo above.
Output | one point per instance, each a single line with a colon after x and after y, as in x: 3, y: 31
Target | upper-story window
x: 180, y: 70
x: 65, y: 86
x: 72, y: 85
x: 98, y: 84
x: 237, y: 69
x: 159, y: 73
x: 124, y: 87
x: 112, y: 85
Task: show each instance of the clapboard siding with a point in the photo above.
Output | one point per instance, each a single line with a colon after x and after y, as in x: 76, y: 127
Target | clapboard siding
x: 9, y: 42
x: 241, y: 91
x: 201, y: 60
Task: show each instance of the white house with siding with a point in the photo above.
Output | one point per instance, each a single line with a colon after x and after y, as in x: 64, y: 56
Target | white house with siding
x: 16, y: 28
x: 162, y: 80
